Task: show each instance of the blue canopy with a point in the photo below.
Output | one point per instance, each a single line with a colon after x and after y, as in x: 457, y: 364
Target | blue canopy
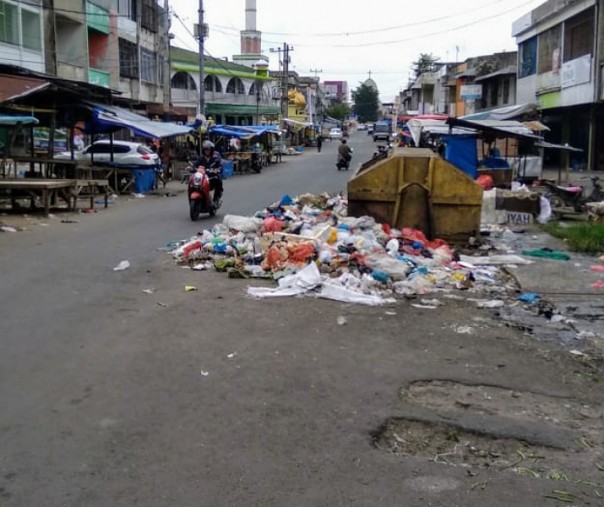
x: 461, y: 152
x: 107, y: 118
x: 242, y: 132
x: 6, y: 120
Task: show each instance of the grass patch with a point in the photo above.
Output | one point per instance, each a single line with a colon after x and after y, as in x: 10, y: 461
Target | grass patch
x: 584, y: 237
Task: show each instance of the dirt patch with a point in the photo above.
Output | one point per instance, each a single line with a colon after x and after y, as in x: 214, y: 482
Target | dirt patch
x: 451, y: 445
x: 499, y: 401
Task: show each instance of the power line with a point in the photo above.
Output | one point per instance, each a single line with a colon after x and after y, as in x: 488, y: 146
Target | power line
x: 373, y: 30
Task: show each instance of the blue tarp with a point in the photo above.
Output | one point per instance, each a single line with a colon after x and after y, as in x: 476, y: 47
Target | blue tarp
x: 107, y: 119
x: 14, y: 120
x: 460, y: 150
x: 241, y: 132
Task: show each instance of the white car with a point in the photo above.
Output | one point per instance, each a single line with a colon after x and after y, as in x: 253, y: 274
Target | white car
x: 362, y: 126
x: 335, y: 133
x: 125, y: 153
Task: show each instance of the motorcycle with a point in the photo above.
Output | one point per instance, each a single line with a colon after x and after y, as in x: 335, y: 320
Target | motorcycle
x: 200, y: 195
x: 572, y: 197
x: 343, y: 163
x: 383, y: 151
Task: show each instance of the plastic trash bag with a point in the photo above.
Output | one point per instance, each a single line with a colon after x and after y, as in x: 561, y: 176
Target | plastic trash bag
x: 243, y: 224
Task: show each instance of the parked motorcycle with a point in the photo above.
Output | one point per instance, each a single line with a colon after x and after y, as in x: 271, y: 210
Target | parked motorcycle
x: 200, y: 195
x: 572, y: 196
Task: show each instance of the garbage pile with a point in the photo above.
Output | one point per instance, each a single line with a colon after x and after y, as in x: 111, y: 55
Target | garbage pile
x: 311, y: 247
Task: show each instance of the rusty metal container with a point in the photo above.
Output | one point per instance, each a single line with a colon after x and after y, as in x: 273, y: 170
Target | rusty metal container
x: 416, y: 188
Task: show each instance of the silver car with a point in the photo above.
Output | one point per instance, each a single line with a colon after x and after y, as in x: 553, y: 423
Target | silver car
x: 125, y: 153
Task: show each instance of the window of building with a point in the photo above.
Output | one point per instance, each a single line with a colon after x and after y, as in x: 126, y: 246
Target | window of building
x: 579, y: 35
x: 183, y: 81
x: 212, y: 84
x: 235, y: 86
x: 9, y: 30
x: 128, y: 59
x: 127, y: 8
x: 148, y: 66
x: 149, y: 15
x: 527, y: 65
x: 550, y: 43
x: 30, y: 24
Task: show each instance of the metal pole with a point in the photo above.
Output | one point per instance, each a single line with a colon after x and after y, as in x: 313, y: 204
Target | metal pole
x: 166, y: 62
x: 202, y: 102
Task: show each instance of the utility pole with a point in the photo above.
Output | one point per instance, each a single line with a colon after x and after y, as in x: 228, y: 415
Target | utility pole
x: 201, y: 33
x: 166, y: 61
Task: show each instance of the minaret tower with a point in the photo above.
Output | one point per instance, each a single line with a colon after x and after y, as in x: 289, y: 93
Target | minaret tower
x: 251, y: 38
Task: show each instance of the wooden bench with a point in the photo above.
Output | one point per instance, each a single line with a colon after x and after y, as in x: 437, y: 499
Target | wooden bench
x: 48, y: 190
x: 92, y: 188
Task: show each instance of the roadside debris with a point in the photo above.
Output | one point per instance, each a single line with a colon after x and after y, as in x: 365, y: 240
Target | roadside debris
x: 310, y: 247
x: 122, y: 266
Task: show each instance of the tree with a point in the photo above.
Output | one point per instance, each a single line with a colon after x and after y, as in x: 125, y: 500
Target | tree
x: 425, y: 63
x: 338, y: 110
x: 366, y: 103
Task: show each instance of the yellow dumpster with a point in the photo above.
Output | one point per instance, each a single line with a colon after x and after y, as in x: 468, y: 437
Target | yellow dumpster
x: 416, y: 188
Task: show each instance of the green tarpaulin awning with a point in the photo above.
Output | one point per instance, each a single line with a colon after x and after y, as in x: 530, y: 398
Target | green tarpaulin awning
x: 240, y: 109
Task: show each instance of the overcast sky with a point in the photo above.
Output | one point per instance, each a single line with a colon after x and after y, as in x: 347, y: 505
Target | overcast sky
x: 345, y: 42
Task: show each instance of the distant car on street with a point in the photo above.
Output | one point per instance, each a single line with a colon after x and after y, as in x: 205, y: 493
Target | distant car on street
x: 125, y: 153
x: 370, y: 128
x: 335, y: 133
x: 362, y: 126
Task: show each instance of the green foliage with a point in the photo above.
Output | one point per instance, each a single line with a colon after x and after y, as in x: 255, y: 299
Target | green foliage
x: 338, y: 110
x: 366, y: 103
x: 584, y: 237
x: 425, y: 63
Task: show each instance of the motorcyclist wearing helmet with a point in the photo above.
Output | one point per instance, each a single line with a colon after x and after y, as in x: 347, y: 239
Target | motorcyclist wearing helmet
x: 344, y: 153
x: 211, y: 161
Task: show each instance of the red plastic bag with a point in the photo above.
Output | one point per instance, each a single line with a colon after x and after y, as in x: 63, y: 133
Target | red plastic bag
x: 485, y: 181
x: 272, y: 224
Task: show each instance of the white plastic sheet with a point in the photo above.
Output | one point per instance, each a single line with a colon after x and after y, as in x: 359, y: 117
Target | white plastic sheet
x: 301, y: 282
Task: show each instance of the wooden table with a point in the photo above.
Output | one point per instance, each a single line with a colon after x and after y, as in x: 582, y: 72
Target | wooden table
x: 49, y: 190
x: 46, y: 165
x: 111, y: 174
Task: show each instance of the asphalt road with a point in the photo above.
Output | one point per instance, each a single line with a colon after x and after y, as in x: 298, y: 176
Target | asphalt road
x: 114, y: 397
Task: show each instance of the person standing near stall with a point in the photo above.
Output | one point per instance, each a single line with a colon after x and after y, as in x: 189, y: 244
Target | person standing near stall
x: 319, y: 142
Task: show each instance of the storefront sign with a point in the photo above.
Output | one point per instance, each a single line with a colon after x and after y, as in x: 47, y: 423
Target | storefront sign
x: 575, y: 72
x: 470, y: 92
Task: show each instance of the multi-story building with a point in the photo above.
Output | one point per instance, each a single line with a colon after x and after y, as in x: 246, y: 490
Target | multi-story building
x: 120, y: 44
x: 234, y: 94
x: 560, y: 62
x: 21, y: 42
x: 335, y: 91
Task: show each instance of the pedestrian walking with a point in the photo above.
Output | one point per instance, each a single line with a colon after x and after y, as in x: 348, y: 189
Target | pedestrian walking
x: 319, y: 142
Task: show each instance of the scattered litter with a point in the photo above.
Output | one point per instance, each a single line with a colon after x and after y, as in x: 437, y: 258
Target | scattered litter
x: 463, y: 329
x: 598, y: 268
x: 390, y: 313
x: 494, y: 303
x: 310, y: 247
x: 601, y: 259
x: 69, y: 221
x: 231, y: 355
x: 341, y: 320
x: 579, y: 354
x: 557, y: 318
x: 163, y: 305
x: 547, y: 253
x: 149, y: 291
x: 139, y: 196
x: 431, y: 302
x: 204, y: 373
x: 529, y: 297
x: 43, y: 224
x: 122, y: 266
x: 190, y: 288
x: 598, y: 285
x: 7, y: 228
x: 424, y: 307
x: 204, y: 266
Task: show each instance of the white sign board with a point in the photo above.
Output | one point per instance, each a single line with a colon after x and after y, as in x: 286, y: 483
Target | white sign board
x: 470, y: 92
x: 575, y: 72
